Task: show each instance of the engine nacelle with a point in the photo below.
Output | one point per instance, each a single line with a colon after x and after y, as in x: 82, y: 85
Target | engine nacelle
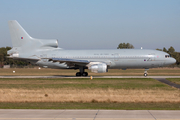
x: 98, y: 68
x: 49, y: 43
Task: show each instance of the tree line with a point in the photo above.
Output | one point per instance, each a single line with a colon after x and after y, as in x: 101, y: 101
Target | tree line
x: 7, y: 61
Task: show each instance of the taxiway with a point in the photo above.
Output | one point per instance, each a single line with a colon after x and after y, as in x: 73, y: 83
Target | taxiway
x: 58, y: 76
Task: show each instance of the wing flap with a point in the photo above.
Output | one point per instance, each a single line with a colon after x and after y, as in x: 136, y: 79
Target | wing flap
x: 70, y: 62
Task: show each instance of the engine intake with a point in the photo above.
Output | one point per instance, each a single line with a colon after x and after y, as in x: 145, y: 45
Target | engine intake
x: 98, y: 68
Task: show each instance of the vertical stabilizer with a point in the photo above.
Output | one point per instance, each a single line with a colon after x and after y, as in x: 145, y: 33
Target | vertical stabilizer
x: 18, y: 35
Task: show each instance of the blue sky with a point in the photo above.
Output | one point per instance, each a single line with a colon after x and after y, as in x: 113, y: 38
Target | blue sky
x: 95, y: 24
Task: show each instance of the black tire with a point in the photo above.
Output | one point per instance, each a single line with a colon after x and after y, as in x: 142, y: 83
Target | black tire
x: 78, y: 74
x: 85, y: 74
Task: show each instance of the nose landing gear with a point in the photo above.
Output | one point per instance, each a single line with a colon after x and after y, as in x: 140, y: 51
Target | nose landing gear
x: 145, y: 72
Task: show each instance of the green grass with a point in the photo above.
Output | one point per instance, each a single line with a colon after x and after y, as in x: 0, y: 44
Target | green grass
x: 70, y: 72
x: 174, y: 80
x: 84, y: 83
x: 71, y: 105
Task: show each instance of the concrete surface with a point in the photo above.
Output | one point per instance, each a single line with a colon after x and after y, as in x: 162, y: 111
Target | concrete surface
x: 30, y: 114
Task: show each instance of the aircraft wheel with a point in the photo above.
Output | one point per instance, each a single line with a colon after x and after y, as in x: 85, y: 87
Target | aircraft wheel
x: 85, y: 74
x: 145, y: 74
x: 78, y: 74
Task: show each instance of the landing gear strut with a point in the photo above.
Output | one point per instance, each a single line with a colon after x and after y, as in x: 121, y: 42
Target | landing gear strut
x: 145, y: 72
x: 81, y: 73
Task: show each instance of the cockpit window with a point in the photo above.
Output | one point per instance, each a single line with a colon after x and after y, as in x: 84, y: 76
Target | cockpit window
x: 167, y: 56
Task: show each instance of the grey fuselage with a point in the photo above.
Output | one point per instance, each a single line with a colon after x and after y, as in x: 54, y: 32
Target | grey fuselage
x: 114, y: 58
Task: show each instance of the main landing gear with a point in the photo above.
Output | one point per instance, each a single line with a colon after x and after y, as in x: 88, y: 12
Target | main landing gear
x: 81, y: 73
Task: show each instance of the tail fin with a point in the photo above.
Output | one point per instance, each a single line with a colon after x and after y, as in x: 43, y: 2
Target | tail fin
x: 22, y: 40
x: 18, y: 35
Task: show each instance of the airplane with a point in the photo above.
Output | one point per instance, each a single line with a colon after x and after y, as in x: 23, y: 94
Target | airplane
x: 46, y: 53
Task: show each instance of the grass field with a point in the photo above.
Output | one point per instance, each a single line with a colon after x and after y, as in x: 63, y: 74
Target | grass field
x: 83, y: 93
x: 175, y: 80
x: 111, y: 72
x: 71, y: 105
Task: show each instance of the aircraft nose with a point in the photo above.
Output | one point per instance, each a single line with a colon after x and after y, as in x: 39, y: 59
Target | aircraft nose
x: 172, y: 61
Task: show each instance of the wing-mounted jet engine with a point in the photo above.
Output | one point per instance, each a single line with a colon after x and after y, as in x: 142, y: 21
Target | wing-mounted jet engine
x: 98, y: 67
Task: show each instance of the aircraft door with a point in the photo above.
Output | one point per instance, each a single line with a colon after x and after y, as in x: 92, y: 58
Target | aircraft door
x: 151, y: 58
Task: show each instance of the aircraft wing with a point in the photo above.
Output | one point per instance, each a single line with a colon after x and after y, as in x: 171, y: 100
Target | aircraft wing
x: 70, y: 62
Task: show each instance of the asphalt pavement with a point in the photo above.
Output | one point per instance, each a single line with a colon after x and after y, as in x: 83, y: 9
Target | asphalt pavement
x: 59, y: 76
